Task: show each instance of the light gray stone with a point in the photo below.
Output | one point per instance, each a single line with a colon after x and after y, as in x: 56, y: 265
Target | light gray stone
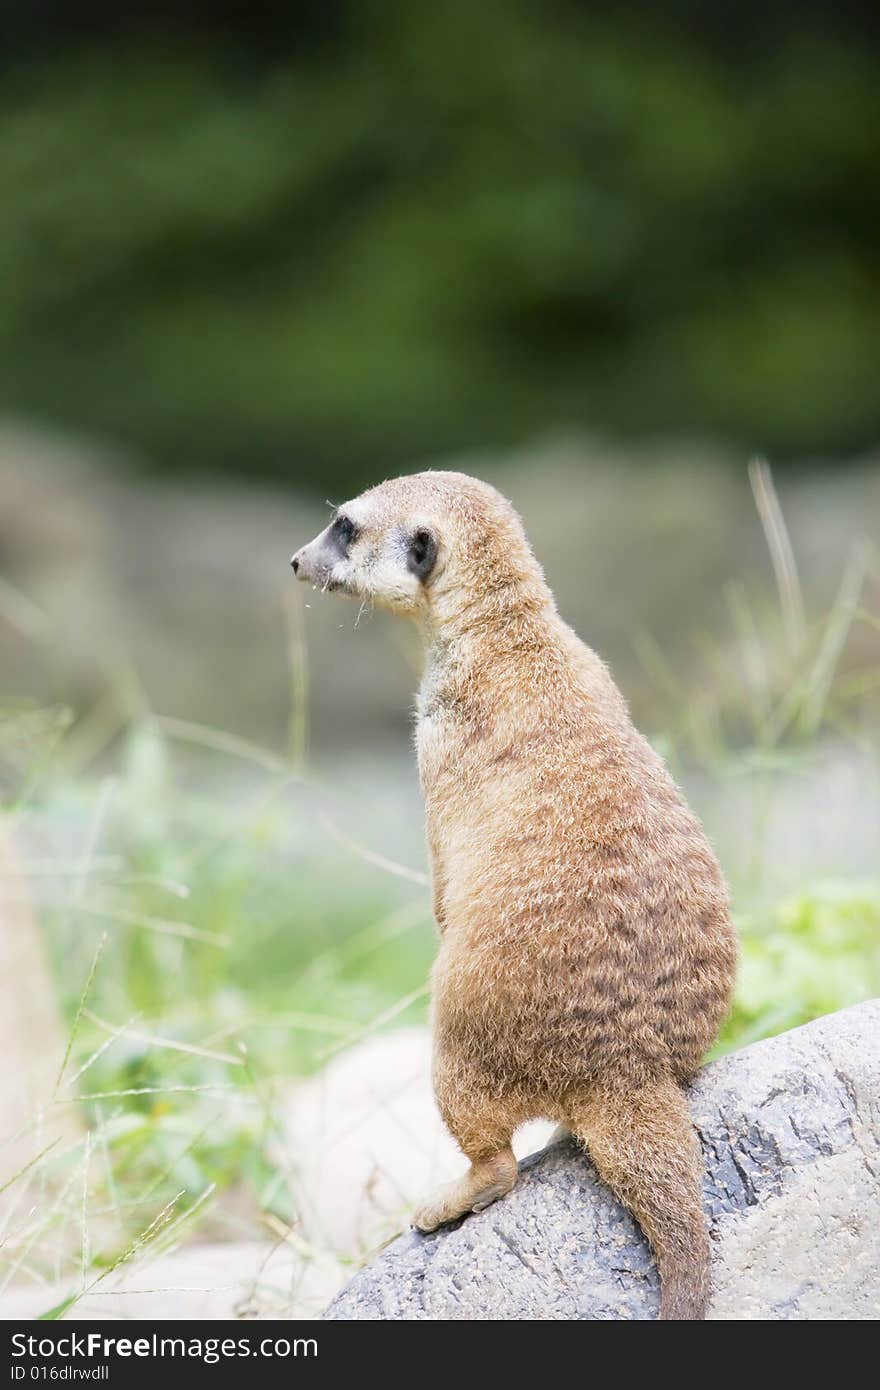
x: 790, y: 1130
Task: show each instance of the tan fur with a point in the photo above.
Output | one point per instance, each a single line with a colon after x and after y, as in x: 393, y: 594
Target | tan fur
x: 586, y: 954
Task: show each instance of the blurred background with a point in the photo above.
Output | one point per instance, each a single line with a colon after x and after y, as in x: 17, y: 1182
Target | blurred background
x: 307, y: 241
x: 254, y: 258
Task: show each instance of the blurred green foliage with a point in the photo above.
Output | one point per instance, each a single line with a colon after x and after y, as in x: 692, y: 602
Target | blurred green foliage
x: 442, y: 226
x: 803, y: 957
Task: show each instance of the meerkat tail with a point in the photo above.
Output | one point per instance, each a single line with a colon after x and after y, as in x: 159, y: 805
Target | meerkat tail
x: 644, y: 1147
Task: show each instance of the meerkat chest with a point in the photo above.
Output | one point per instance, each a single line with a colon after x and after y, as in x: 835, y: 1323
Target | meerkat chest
x: 435, y: 742
x: 441, y: 723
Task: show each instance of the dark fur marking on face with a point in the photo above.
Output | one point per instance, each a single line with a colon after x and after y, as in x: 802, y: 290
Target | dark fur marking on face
x: 341, y: 535
x: 421, y: 555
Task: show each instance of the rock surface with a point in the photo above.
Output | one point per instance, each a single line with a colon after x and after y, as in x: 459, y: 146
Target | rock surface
x: 790, y: 1130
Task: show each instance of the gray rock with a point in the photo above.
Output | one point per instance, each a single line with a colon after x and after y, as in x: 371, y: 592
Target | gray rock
x: 790, y: 1129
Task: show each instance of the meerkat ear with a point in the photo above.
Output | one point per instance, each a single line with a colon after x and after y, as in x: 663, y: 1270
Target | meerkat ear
x: 421, y: 555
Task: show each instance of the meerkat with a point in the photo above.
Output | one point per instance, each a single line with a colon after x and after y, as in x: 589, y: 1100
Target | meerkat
x: 586, y: 953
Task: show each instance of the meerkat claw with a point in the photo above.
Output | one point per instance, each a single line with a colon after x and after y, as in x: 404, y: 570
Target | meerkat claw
x: 439, y: 1212
x: 472, y: 1193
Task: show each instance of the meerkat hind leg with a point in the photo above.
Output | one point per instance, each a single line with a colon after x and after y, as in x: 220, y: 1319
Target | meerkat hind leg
x: 487, y: 1179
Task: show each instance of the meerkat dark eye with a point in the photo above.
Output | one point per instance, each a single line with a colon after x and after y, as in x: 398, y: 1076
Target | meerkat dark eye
x: 421, y: 555
x: 344, y: 531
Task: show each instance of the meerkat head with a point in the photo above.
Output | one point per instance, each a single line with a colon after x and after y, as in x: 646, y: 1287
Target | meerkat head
x: 427, y: 545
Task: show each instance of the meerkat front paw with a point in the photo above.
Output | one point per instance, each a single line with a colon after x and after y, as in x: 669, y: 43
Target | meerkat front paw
x: 452, y: 1201
x: 474, y: 1192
